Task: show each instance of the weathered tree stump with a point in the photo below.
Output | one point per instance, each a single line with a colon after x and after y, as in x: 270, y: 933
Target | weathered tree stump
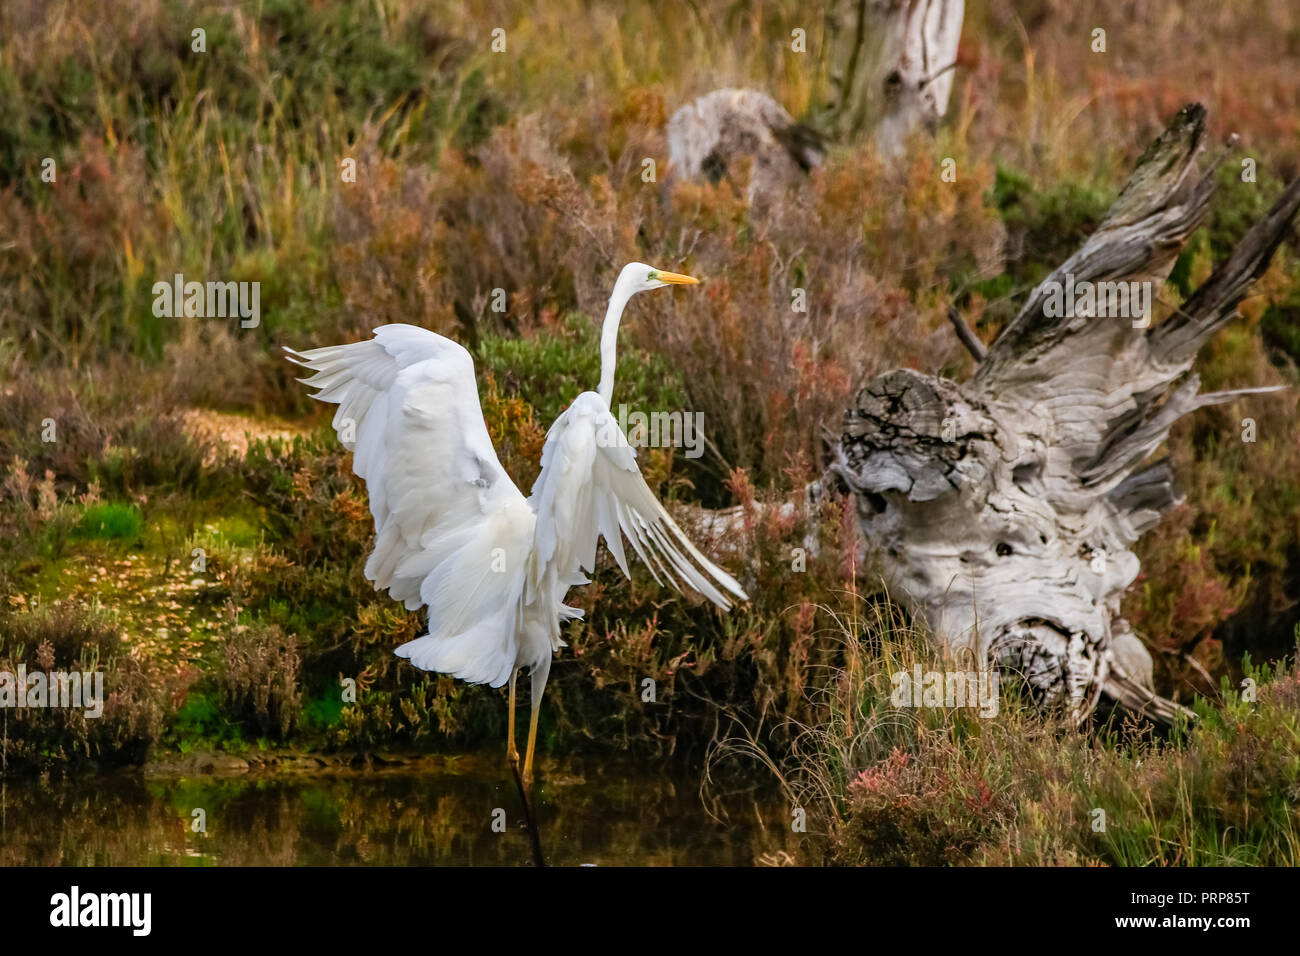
x: 1004, y: 509
x: 891, y: 72
x: 707, y: 136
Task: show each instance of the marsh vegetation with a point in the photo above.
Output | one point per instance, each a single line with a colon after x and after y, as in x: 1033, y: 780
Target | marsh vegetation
x: 185, y: 438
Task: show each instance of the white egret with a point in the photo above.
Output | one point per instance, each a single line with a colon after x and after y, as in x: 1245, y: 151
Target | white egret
x: 454, y: 534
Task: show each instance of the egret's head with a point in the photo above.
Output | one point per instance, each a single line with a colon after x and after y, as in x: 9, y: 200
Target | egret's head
x: 639, y: 277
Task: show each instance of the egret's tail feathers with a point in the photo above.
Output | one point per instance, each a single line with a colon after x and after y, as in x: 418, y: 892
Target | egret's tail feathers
x: 480, y: 655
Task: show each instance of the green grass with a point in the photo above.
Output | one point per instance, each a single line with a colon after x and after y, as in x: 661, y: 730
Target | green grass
x: 112, y: 521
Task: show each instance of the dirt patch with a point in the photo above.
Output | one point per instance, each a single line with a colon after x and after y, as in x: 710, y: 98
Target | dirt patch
x: 233, y: 432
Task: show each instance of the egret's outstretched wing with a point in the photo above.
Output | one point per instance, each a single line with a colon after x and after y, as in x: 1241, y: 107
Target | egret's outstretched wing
x: 590, y: 487
x: 451, y: 529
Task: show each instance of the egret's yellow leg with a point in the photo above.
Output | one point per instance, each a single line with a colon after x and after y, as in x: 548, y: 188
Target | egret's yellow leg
x: 538, y: 675
x: 512, y: 755
x: 532, y: 739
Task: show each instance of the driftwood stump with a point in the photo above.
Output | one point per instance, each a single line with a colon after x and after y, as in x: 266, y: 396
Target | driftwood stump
x: 1004, y: 509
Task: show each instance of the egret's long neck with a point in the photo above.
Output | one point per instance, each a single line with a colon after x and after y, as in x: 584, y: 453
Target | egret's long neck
x: 608, y: 341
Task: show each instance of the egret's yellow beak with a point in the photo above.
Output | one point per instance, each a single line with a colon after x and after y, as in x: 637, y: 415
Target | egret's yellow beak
x: 676, y: 279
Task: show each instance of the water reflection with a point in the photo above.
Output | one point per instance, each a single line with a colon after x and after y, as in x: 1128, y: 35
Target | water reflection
x: 436, y: 813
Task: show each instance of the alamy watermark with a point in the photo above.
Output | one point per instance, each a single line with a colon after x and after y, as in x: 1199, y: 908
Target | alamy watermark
x: 74, y: 908
x: 658, y: 430
x: 919, y: 688
x: 208, y: 300
x: 61, y: 689
x: 1117, y: 300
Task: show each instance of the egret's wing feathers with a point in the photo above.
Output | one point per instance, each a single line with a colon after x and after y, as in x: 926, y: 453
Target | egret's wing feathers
x: 589, y: 488
x: 451, y: 529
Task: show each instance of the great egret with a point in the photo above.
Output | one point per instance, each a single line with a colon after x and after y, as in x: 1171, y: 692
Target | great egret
x: 453, y: 533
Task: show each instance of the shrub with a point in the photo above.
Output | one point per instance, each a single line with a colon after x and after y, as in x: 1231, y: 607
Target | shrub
x: 64, y: 638
x: 259, y: 677
x: 891, y: 785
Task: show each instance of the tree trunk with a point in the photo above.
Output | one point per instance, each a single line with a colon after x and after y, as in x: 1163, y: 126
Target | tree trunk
x: 891, y: 72
x: 1004, y: 509
x: 891, y: 66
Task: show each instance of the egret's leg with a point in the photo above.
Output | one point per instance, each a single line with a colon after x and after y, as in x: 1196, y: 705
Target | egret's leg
x: 512, y: 755
x: 532, y: 740
x: 538, y: 676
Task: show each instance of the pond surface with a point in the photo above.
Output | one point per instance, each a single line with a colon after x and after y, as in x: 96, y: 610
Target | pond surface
x: 434, y: 813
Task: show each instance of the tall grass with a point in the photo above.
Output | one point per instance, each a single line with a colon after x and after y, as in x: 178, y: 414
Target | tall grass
x: 885, y: 784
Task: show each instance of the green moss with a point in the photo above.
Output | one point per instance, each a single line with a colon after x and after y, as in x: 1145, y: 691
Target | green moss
x: 238, y: 530
x: 201, y: 723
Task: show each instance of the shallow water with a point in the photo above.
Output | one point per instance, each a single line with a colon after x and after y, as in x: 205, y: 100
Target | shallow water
x: 416, y: 815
